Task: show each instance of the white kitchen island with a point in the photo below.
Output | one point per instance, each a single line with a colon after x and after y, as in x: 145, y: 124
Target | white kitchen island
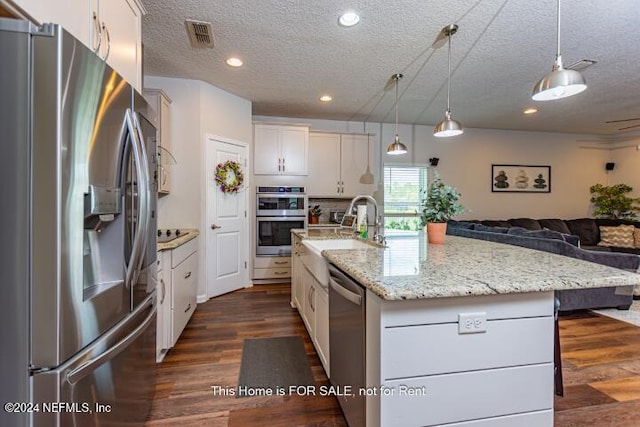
x: 423, y: 367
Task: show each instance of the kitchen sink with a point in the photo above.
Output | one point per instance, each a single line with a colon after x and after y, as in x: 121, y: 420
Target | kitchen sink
x: 316, y: 264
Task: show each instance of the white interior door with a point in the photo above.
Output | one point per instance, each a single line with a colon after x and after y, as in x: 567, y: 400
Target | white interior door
x: 227, y: 251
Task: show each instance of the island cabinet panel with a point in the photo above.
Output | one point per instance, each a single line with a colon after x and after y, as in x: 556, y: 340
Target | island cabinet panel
x: 443, y: 399
x: 530, y: 419
x: 435, y: 375
x: 446, y: 310
x: 440, y: 349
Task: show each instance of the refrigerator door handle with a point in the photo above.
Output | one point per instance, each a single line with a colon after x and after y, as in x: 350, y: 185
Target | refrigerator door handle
x: 142, y: 176
x: 146, y: 168
x: 92, y: 364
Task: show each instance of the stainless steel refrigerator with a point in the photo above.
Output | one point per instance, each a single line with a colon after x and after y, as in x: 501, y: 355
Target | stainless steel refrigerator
x: 78, y: 210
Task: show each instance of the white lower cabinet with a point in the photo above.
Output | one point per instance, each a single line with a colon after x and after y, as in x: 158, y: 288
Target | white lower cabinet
x: 427, y: 371
x: 272, y: 267
x: 177, y: 293
x: 164, y: 308
x: 312, y: 301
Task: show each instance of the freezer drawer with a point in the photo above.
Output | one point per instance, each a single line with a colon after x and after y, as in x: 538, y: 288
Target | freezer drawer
x: 111, y: 383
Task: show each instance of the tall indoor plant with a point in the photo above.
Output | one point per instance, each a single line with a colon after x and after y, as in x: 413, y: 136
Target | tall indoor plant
x: 612, y: 201
x: 440, y: 204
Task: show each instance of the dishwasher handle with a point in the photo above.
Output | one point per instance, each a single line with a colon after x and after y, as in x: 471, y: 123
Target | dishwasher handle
x: 343, y: 292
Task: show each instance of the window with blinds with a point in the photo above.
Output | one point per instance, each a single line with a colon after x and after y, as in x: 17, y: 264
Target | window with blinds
x: 402, y: 185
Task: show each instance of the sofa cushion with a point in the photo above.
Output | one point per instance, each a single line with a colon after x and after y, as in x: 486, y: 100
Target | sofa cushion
x: 462, y: 224
x: 540, y: 234
x: 528, y: 223
x: 617, y: 237
x: 586, y: 229
x: 636, y: 238
x: 496, y: 223
x: 555, y: 225
x: 485, y: 228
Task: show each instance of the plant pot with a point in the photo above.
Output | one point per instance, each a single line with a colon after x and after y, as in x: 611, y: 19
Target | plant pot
x: 314, y: 219
x: 436, y: 232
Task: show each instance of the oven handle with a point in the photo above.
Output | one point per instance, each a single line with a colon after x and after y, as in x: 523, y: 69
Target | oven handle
x: 281, y: 218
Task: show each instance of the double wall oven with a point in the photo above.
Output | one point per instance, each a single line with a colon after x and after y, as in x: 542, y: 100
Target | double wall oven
x: 278, y: 210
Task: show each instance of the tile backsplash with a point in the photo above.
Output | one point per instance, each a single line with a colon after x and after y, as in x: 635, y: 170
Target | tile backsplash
x: 328, y: 205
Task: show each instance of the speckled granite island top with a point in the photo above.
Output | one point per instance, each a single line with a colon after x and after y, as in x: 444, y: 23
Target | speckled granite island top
x: 409, y: 268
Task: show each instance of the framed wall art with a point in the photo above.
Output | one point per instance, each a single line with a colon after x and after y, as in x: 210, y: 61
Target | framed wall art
x: 520, y: 179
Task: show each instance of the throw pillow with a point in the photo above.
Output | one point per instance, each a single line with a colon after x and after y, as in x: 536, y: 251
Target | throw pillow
x: 528, y: 223
x: 501, y: 230
x: 617, y: 237
x: 586, y: 229
x: 555, y: 225
x: 636, y: 238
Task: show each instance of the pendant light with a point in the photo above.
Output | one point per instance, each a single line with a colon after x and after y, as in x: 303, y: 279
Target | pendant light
x: 367, y: 177
x: 396, y: 147
x: 448, y: 127
x: 560, y: 82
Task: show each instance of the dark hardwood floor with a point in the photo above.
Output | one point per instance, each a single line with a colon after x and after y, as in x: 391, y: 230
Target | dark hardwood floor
x: 601, y: 361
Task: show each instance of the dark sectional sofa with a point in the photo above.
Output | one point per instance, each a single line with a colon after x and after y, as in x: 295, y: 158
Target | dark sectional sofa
x: 586, y: 229
x: 560, y: 237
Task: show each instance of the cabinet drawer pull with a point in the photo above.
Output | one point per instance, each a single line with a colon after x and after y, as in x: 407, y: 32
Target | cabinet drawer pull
x: 164, y: 291
x: 188, y: 308
x: 279, y: 273
x: 187, y: 275
x: 280, y: 262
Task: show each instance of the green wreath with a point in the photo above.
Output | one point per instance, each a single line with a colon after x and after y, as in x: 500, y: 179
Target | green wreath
x: 229, y: 176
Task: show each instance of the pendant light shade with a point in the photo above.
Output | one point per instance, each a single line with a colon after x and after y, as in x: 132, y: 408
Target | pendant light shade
x: 560, y: 82
x: 448, y: 127
x: 396, y: 147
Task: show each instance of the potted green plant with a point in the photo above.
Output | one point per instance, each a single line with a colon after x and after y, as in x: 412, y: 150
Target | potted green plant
x: 314, y: 214
x: 612, y: 201
x: 439, y: 204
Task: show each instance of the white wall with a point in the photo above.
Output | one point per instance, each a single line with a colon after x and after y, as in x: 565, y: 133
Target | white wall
x: 197, y: 109
x: 465, y: 162
x: 627, y: 166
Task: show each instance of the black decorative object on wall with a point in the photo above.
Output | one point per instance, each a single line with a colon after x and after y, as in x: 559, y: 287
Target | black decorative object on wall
x: 520, y: 179
x: 609, y: 166
x: 433, y: 161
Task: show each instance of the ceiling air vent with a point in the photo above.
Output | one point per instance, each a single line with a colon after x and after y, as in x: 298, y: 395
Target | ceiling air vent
x: 200, y: 33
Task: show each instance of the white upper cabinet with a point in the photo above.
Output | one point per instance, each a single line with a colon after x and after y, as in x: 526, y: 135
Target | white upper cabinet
x: 73, y: 15
x: 280, y: 150
x: 160, y: 102
x: 324, y: 169
x: 111, y: 28
x: 116, y: 27
x: 353, y: 164
x: 339, y: 161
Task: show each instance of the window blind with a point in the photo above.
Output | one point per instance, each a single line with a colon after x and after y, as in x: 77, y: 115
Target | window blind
x: 402, y: 185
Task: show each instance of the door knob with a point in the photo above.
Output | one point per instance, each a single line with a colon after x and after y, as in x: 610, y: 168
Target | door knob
x: 214, y: 226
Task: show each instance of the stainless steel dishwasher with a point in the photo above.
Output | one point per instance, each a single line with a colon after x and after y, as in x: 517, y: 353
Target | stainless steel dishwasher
x: 347, y: 342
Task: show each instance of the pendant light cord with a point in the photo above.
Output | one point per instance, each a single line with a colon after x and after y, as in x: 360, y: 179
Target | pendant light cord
x: 397, y: 77
x: 558, y: 34
x: 449, y: 76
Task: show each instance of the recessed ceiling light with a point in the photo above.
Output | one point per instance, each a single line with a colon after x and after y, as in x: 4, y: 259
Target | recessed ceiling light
x: 234, y: 62
x: 326, y: 98
x: 531, y: 110
x: 349, y: 19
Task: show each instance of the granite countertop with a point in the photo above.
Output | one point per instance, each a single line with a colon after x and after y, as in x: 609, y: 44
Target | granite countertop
x: 409, y: 268
x: 325, y: 233
x: 188, y: 234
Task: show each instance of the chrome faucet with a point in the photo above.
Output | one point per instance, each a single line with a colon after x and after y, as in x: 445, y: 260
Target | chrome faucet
x: 377, y: 235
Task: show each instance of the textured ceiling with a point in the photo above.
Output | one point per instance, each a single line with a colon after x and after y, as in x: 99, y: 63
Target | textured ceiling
x: 294, y: 51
